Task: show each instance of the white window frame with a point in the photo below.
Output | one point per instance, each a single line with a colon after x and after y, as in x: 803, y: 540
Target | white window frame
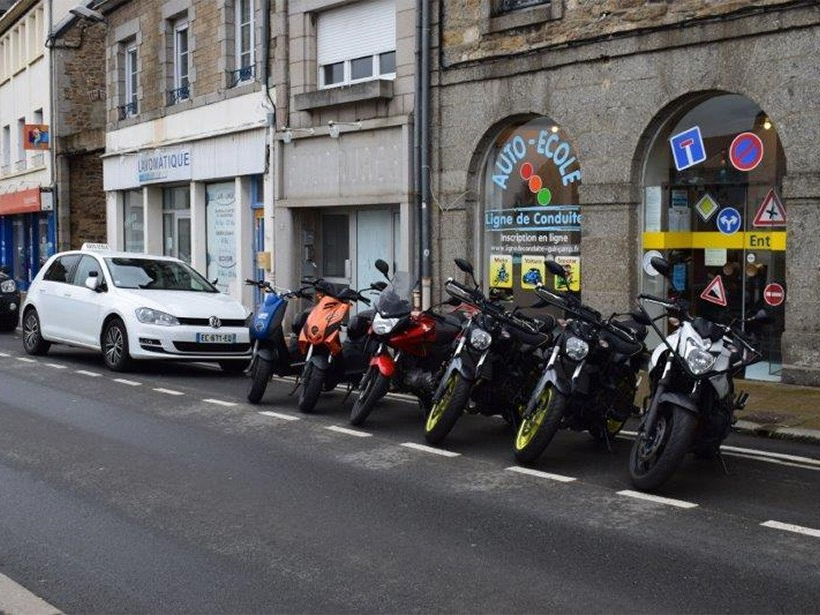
x: 131, y: 74
x: 241, y: 53
x: 182, y: 79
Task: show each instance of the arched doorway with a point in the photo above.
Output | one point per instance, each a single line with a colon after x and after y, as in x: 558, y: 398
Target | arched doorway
x: 712, y: 206
x: 529, y: 208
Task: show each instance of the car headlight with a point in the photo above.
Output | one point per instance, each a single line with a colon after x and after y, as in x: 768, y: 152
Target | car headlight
x: 8, y: 286
x: 699, y: 361
x: 576, y: 348
x: 383, y: 326
x: 480, y: 339
x: 155, y: 317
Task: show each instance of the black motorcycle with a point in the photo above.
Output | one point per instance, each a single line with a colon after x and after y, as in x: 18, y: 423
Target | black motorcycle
x: 590, y: 379
x: 495, y: 364
x: 692, y: 400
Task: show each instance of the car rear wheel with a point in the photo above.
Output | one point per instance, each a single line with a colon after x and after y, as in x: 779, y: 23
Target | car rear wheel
x: 115, y: 346
x: 33, y: 341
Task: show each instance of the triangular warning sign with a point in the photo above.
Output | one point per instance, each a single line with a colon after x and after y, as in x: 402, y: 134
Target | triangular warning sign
x: 771, y: 212
x: 715, y: 292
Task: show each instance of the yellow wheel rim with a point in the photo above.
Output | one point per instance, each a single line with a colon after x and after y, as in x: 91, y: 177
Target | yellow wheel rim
x: 437, y: 411
x: 613, y: 426
x: 529, y: 427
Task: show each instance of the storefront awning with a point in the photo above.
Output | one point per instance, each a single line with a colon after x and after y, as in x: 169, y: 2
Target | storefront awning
x: 23, y: 202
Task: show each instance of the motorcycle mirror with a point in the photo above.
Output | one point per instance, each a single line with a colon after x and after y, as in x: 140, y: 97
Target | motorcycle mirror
x: 383, y: 267
x: 465, y: 266
x: 452, y: 301
x: 640, y: 318
x: 555, y: 269
x: 762, y: 316
x: 661, y: 265
x: 379, y: 286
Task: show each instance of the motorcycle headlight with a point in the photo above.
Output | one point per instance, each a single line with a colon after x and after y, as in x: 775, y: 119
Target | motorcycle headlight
x: 480, y: 339
x: 699, y: 361
x: 8, y: 286
x: 576, y: 348
x: 382, y: 325
x: 155, y: 317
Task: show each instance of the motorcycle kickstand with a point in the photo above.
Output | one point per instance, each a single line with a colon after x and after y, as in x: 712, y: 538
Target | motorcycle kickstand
x: 723, y: 463
x: 349, y: 391
x: 295, y: 386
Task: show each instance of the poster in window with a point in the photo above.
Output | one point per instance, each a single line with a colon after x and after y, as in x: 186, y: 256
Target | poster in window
x: 221, y: 244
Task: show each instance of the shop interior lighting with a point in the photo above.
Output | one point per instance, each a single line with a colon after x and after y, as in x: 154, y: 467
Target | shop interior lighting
x: 767, y: 124
x: 333, y: 127
x: 554, y: 128
x: 287, y: 137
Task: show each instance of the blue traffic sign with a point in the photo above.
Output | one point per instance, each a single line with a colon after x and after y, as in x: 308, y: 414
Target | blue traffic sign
x: 746, y: 151
x: 728, y: 221
x: 687, y: 148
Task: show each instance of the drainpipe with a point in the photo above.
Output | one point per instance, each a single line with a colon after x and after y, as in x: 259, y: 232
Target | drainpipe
x: 424, y: 157
x: 417, y: 98
x: 270, y: 143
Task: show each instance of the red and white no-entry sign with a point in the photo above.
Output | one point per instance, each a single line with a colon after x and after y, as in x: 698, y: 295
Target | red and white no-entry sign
x: 774, y: 294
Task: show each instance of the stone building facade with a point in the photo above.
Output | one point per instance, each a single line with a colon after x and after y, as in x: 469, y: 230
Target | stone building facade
x: 619, y: 84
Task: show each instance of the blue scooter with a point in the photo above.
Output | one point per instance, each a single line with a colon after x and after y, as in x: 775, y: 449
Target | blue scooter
x: 272, y: 354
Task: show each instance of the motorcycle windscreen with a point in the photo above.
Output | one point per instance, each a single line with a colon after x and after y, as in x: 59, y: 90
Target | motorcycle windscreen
x: 393, y: 301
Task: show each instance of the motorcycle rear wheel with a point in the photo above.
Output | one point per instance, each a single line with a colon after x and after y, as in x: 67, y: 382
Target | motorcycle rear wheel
x: 447, y: 409
x: 536, y: 432
x: 373, y: 387
x: 261, y: 373
x: 312, y: 383
x: 655, y: 456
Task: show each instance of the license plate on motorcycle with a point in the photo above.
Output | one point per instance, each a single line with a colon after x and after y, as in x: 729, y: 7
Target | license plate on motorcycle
x: 216, y: 338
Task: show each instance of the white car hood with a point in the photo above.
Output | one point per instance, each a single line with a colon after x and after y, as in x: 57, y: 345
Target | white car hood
x: 186, y: 304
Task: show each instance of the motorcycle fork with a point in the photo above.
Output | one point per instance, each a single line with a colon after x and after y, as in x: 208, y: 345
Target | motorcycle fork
x: 652, y: 413
x: 299, y: 377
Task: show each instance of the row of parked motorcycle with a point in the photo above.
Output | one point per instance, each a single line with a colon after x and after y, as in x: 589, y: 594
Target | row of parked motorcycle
x: 475, y: 353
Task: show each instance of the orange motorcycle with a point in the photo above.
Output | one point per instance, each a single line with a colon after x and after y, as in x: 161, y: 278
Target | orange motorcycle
x: 329, y: 361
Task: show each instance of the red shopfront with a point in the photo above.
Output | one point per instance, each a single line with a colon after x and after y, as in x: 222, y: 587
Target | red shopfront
x: 27, y: 233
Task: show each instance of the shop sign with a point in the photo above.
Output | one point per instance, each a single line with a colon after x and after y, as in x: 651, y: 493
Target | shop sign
x: 746, y: 151
x: 771, y: 211
x: 221, y: 240
x: 687, y: 148
x: 749, y: 240
x: 706, y: 207
x: 23, y: 202
x: 36, y: 136
x: 533, y: 271
x: 715, y: 292
x: 774, y: 294
x: 535, y: 230
x: 164, y: 166
x: 728, y: 221
x: 501, y: 267
x: 572, y: 267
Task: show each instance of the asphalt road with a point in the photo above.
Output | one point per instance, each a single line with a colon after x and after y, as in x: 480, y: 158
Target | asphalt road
x: 161, y: 490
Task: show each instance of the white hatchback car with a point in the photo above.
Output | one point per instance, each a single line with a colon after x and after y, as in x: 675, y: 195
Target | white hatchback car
x: 133, y: 306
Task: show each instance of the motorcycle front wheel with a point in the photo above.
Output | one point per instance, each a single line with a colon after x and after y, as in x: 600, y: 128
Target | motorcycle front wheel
x: 536, y: 432
x: 657, y: 454
x: 261, y: 373
x: 373, y: 387
x: 312, y: 382
x: 447, y: 409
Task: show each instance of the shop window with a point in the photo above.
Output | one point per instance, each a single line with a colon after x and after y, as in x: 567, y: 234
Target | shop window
x: 712, y: 206
x: 176, y: 222
x: 357, y: 43
x: 134, y: 221
x: 335, y: 245
x: 530, y: 209
x: 220, y: 219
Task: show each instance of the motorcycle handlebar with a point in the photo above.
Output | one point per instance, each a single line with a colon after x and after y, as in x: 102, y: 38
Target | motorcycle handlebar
x: 655, y: 299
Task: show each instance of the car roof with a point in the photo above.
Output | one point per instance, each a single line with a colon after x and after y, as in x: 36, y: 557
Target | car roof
x: 106, y: 253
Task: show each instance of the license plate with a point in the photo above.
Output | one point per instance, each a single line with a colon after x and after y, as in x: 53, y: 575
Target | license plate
x: 216, y: 338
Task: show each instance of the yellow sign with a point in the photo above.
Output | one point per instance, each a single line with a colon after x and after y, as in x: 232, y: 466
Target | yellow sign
x: 532, y: 271
x: 572, y: 265
x: 750, y: 240
x: 501, y: 270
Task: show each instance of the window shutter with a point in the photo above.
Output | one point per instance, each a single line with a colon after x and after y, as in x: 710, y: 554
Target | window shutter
x: 361, y: 29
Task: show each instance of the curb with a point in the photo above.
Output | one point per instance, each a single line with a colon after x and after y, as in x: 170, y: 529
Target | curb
x: 772, y: 431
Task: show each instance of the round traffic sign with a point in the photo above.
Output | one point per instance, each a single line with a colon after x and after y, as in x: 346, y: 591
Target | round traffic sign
x: 774, y: 294
x: 746, y: 151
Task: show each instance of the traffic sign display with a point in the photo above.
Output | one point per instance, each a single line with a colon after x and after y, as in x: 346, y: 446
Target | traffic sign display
x: 706, y: 207
x: 687, y: 148
x: 728, y: 221
x: 774, y: 294
x: 771, y: 211
x: 715, y: 292
x: 746, y: 151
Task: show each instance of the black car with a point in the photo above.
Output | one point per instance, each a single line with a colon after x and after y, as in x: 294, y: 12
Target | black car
x: 9, y: 302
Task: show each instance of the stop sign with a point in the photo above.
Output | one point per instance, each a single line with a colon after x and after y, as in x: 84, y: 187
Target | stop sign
x: 774, y: 294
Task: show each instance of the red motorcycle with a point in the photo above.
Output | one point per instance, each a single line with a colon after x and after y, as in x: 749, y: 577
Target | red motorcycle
x: 413, y: 347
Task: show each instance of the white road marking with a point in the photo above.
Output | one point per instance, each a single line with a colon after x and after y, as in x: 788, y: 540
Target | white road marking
x: 87, y: 373
x: 349, y: 432
x: 430, y: 449
x: 56, y: 365
x: 777, y: 461
x: 169, y: 391
x: 14, y: 598
x: 560, y: 478
x: 26, y: 360
x: 277, y: 415
x: 131, y: 383
x: 219, y: 402
x: 656, y: 498
x: 798, y: 529
x: 3, y: 354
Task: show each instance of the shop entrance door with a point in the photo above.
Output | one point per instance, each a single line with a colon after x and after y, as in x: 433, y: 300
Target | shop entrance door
x: 177, y: 234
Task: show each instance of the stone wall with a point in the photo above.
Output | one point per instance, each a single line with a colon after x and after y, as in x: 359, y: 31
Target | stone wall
x: 86, y: 199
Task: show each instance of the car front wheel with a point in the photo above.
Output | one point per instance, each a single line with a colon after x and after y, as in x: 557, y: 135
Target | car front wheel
x: 115, y: 346
x: 33, y: 341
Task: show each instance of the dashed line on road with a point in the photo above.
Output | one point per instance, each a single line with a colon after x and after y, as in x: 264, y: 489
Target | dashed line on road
x: 87, y: 373
x: 56, y: 365
x: 3, y: 354
x: 26, y: 360
x: 278, y: 415
x: 430, y: 449
x: 219, y: 402
x: 538, y: 473
x: 658, y: 499
x: 131, y: 383
x: 349, y: 432
x: 169, y: 391
x: 789, y: 527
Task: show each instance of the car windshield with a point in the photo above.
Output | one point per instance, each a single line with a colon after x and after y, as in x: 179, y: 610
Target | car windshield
x: 155, y: 274
x: 392, y: 301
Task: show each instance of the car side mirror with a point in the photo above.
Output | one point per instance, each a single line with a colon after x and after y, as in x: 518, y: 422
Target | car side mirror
x: 92, y: 282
